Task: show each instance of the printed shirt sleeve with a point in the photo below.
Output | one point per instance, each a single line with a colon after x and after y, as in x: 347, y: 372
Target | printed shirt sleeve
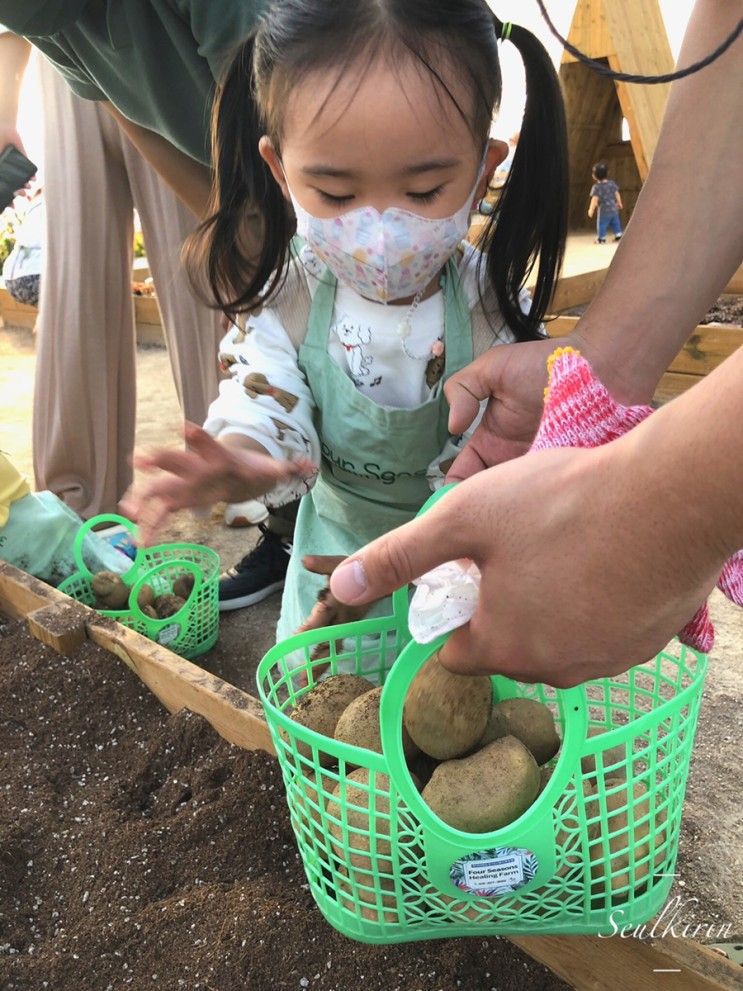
x: 266, y: 398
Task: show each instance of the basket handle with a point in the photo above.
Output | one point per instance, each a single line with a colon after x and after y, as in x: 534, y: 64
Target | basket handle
x: 444, y: 843
x: 147, y: 577
x: 87, y: 527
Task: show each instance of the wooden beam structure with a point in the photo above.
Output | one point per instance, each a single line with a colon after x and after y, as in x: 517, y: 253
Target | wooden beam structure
x: 627, y: 36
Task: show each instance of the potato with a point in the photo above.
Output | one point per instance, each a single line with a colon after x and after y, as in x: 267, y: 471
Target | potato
x: 617, y: 822
x: 150, y: 612
x: 146, y: 597
x: 570, y: 817
x: 312, y: 794
x: 446, y: 714
x: 531, y: 722
x: 183, y: 586
x: 110, y: 591
x: 359, y: 725
x: 614, y: 755
x: 495, y: 728
x: 346, y: 893
x: 321, y: 708
x: 359, y: 819
x: 168, y: 605
x: 487, y: 790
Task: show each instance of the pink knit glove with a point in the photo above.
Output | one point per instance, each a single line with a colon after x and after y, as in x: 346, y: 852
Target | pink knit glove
x: 579, y: 412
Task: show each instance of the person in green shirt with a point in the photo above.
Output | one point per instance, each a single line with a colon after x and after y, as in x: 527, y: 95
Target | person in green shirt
x: 116, y: 75
x: 153, y: 64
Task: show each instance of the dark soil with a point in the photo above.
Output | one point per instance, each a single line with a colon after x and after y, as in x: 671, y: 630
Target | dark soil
x: 728, y: 309
x: 140, y: 850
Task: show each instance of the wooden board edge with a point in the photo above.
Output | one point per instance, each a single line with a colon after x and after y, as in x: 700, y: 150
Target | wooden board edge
x: 593, y: 963
x: 236, y: 715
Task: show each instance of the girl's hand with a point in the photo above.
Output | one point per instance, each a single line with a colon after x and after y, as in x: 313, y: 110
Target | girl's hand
x: 207, y: 472
x: 327, y: 611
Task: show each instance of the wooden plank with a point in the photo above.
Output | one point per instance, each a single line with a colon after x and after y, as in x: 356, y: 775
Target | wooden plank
x: 590, y: 963
x: 20, y: 593
x: 576, y: 289
x: 60, y: 625
x: 638, y: 36
x: 736, y: 283
x: 588, y: 31
x: 674, y: 384
x: 235, y: 715
x: 708, y: 346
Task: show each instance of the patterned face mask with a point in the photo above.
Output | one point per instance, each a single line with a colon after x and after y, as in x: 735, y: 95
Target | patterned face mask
x: 384, y: 256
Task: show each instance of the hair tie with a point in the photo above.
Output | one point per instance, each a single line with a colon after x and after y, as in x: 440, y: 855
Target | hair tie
x: 505, y: 33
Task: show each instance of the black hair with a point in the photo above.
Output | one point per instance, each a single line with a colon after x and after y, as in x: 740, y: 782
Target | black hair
x: 243, y: 247
x: 600, y: 170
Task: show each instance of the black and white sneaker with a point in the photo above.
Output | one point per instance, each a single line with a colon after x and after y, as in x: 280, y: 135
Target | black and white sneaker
x: 258, y: 575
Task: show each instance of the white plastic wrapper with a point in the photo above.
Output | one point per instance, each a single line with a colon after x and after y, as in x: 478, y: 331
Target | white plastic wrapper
x: 444, y: 599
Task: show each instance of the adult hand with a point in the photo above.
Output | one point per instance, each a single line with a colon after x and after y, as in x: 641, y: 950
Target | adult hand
x: 207, y: 472
x: 513, y: 379
x: 578, y: 551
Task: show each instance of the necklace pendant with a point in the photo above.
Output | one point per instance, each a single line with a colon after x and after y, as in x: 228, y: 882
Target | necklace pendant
x: 403, y: 330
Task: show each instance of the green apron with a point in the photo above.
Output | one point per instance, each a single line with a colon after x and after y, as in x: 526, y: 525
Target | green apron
x: 374, y: 459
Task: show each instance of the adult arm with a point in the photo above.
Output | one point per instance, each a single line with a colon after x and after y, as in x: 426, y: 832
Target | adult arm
x: 189, y: 179
x: 591, y: 560
x: 14, y: 53
x: 682, y: 245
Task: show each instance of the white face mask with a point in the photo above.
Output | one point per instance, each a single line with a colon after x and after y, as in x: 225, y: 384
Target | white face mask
x: 384, y: 256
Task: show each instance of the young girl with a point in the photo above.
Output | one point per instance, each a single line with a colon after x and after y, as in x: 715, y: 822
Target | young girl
x: 365, y: 127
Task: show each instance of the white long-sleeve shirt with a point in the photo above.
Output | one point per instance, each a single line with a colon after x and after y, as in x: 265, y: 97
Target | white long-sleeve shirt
x: 268, y: 399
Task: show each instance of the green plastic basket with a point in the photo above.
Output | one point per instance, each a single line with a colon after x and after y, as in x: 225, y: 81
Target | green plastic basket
x: 385, y: 869
x: 189, y: 632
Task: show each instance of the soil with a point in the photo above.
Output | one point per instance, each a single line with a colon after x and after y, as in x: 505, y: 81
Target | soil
x: 728, y: 310
x: 138, y: 849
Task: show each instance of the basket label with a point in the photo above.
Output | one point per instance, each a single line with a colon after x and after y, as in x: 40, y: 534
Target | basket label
x: 494, y: 872
x: 169, y: 633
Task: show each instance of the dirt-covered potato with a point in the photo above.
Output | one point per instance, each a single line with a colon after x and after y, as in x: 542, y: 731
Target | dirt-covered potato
x: 612, y: 756
x: 359, y: 725
x: 495, y: 728
x: 109, y: 590
x: 150, y: 611
x: 145, y: 597
x: 362, y: 846
x: 168, y: 605
x: 363, y: 890
x: 618, y: 864
x: 183, y: 586
x: 321, y: 707
x: 531, y: 722
x: 421, y: 767
x: 446, y: 714
x: 487, y: 790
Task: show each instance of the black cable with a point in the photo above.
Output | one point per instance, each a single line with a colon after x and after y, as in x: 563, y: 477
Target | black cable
x: 628, y: 77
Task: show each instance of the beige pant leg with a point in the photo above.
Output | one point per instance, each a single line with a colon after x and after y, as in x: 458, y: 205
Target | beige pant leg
x: 84, y: 398
x: 192, y: 330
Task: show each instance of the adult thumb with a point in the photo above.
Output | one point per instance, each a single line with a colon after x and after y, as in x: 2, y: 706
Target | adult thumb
x: 402, y: 555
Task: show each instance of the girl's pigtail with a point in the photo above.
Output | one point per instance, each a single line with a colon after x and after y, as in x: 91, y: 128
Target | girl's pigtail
x: 531, y: 218
x: 236, y: 258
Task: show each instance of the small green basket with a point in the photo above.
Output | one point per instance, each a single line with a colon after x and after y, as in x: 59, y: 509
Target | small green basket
x: 389, y: 870
x: 195, y: 627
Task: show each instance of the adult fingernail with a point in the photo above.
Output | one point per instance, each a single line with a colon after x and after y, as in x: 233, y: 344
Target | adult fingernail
x: 348, y: 582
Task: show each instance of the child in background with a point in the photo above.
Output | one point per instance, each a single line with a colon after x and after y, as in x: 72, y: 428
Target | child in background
x: 606, y: 199
x: 371, y: 141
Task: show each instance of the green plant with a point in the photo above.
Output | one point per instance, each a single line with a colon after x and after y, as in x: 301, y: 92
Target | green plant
x: 7, y: 238
x: 139, y: 249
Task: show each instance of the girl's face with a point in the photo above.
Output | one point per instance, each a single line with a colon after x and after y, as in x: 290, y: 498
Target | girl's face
x: 379, y: 136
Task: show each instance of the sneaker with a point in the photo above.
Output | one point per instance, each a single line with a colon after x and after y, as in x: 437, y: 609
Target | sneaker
x: 258, y: 575
x: 249, y: 513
